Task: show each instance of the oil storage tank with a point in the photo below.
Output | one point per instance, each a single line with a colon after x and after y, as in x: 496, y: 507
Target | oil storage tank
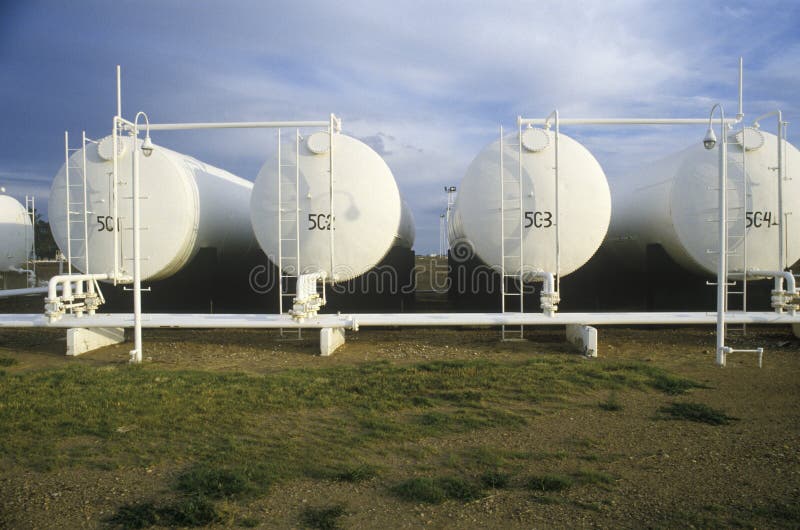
x: 584, y: 208
x: 674, y: 203
x: 664, y: 226
x: 369, y: 225
x: 194, y: 216
x: 16, y: 233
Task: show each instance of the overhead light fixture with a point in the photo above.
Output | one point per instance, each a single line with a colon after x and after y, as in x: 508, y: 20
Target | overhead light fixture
x: 710, y: 140
x: 147, y: 146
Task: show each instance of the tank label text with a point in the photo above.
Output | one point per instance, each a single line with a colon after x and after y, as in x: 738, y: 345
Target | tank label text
x: 320, y: 221
x: 538, y: 219
x: 760, y: 220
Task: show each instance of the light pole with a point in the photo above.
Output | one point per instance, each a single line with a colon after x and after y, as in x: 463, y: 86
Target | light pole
x: 147, y: 150
x: 709, y: 142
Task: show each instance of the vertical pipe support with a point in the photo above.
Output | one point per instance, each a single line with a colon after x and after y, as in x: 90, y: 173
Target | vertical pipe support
x: 502, y: 229
x: 781, y: 218
x: 722, y: 269
x: 136, y: 354
x: 85, y: 207
x: 280, y: 228
x: 114, y: 192
x: 66, y: 202
x: 331, y: 129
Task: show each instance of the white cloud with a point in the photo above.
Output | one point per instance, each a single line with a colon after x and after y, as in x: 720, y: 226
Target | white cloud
x: 431, y: 80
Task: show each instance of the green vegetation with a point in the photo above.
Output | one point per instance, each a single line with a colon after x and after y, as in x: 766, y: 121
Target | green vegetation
x: 325, y: 518
x: 592, y: 477
x: 7, y: 361
x: 212, y: 483
x: 436, y: 490
x: 495, y: 480
x: 611, y: 404
x: 548, y: 483
x: 142, y: 415
x: 651, y: 376
x: 236, y: 435
x: 419, y: 489
x: 189, y: 511
x: 697, y: 412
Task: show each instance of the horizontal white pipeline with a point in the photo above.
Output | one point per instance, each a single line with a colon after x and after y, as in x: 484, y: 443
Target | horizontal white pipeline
x: 8, y: 293
x: 620, y: 121
x: 167, y: 320
x: 233, y: 125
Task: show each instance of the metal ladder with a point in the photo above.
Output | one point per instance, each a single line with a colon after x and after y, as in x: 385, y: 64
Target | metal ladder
x: 737, y: 214
x: 76, y: 204
x: 511, y: 235
x: 288, y: 231
x: 30, y: 262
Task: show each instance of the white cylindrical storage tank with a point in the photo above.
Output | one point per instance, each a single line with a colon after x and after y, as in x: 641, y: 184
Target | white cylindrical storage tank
x: 367, y: 215
x: 407, y: 230
x: 16, y: 233
x: 185, y: 205
x: 583, y: 198
x: 674, y: 203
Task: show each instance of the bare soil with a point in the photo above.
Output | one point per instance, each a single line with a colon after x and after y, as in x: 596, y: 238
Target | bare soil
x: 665, y: 473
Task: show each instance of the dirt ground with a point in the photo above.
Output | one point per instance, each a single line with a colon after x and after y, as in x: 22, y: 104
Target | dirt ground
x: 666, y: 473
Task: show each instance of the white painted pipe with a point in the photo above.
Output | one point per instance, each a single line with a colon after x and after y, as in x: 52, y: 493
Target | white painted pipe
x: 620, y: 121
x: 65, y: 282
x: 787, y: 276
x: 8, y: 293
x: 548, y: 281
x: 236, y: 125
x: 354, y: 321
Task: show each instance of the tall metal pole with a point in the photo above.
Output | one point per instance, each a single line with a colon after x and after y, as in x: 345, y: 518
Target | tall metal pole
x: 85, y: 206
x: 722, y: 269
x: 119, y: 92
x: 67, y: 202
x: 136, y: 354
x: 332, y: 231
x: 781, y: 224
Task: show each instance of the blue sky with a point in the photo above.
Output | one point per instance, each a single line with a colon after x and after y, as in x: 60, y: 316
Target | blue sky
x: 427, y: 84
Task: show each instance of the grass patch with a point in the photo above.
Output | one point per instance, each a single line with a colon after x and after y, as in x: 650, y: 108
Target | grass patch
x: 355, y: 472
x: 459, y: 489
x: 592, y: 477
x: 646, y: 375
x: 324, y: 518
x: 211, y: 482
x: 779, y: 511
x: 697, y: 412
x: 7, y: 361
x: 191, y: 511
x: 436, y: 490
x: 268, y: 424
x: 140, y: 515
x: 611, y: 404
x: 419, y: 489
x: 673, y: 385
x: 495, y: 480
x: 548, y: 483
